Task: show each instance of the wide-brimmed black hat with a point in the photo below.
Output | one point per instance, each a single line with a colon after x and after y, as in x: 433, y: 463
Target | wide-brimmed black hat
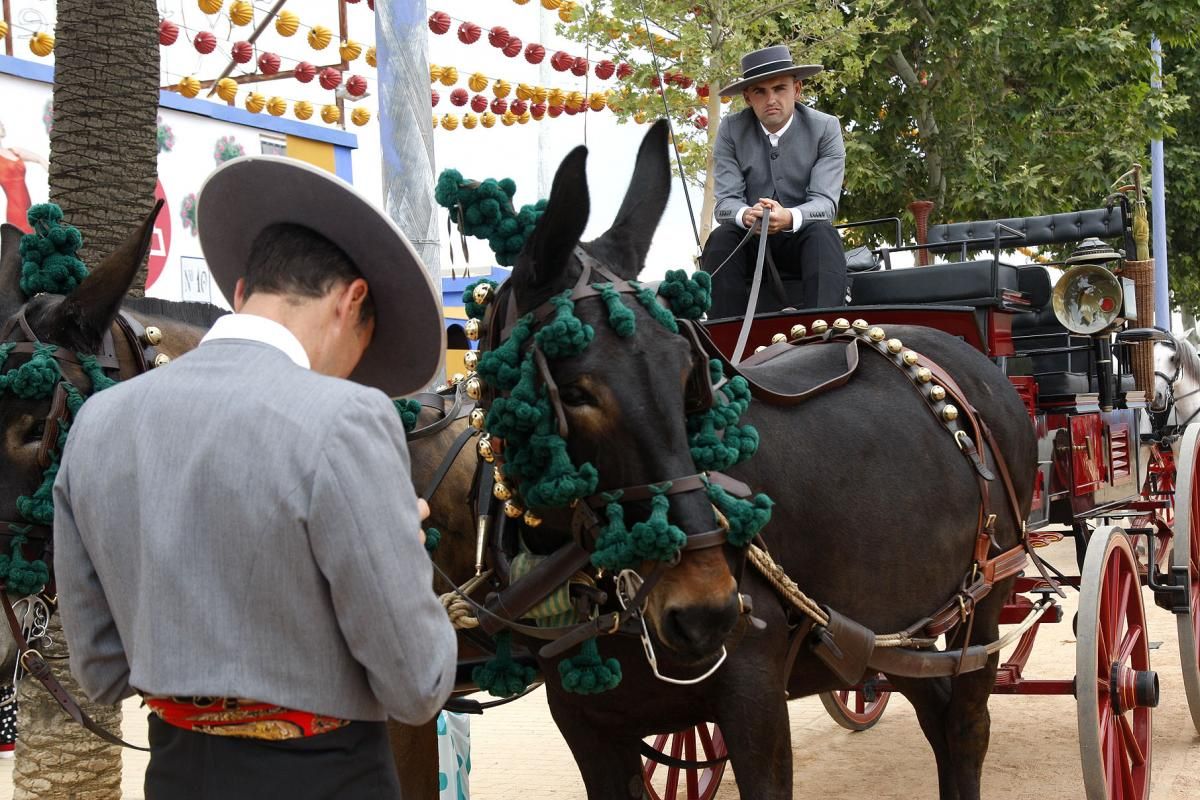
x: 246, y: 195
x: 768, y: 63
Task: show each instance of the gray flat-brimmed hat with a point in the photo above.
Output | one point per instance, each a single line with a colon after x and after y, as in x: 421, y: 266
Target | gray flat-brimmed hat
x: 767, y: 63
x: 245, y: 195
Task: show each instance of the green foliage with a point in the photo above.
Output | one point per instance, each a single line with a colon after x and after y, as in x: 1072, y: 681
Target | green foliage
x: 1183, y: 183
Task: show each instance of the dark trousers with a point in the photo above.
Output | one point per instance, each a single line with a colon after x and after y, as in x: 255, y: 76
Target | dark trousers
x: 351, y: 762
x: 814, y: 253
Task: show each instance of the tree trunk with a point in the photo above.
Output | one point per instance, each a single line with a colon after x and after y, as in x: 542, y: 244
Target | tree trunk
x: 56, y: 758
x: 103, y: 144
x: 709, y: 205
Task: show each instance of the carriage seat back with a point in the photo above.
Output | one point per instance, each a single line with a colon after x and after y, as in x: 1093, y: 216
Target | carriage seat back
x: 966, y: 283
x: 1073, y: 226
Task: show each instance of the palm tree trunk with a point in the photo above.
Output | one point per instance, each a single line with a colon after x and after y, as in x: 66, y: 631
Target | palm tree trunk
x: 57, y: 759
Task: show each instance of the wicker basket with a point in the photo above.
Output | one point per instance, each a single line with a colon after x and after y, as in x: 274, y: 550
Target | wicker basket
x: 1142, y: 275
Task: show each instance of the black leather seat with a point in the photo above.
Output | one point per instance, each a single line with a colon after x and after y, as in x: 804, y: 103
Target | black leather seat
x: 966, y: 283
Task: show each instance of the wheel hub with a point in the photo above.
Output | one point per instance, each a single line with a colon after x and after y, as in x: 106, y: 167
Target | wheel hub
x: 1132, y: 688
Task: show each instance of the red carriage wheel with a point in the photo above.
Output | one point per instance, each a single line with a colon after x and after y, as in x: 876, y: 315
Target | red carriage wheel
x: 663, y: 780
x: 1114, y: 686
x: 1186, y: 552
x: 859, y: 708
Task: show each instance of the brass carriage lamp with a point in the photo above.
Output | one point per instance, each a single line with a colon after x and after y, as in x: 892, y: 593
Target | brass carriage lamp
x: 1088, y: 298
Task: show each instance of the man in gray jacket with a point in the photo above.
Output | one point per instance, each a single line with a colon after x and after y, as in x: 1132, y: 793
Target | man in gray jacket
x: 237, y: 537
x: 779, y: 154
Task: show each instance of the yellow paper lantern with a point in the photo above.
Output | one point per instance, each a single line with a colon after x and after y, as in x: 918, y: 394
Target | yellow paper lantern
x: 520, y: 2
x: 360, y: 116
x: 540, y: 93
x: 478, y: 81
x: 255, y: 102
x: 227, y: 89
x: 302, y: 109
x: 449, y: 122
x: 575, y: 100
x: 211, y: 6
x: 639, y: 117
x: 435, y: 73
x: 3, y: 29
x: 501, y: 88
x: 525, y: 117
x: 567, y: 12
x: 725, y: 99
x: 331, y: 113
x: 42, y: 44
x: 487, y: 119
x: 350, y: 50
x: 681, y: 145
x: 597, y: 101
x: 276, y: 106
x: 241, y: 13
x: 287, y: 23
x: 550, y: 5
x: 524, y: 91
x: 508, y: 118
x: 319, y: 37
x: 614, y: 29
x: 449, y: 76
x: 470, y: 120
x: 556, y: 98
x: 371, y: 56
x: 188, y: 86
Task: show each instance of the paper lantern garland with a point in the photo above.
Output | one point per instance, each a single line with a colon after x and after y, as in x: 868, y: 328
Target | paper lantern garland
x: 242, y: 52
x: 534, y: 53
x: 227, y: 89
x: 439, y: 22
x: 287, y: 23
x: 370, y: 56
x: 501, y: 88
x: 42, y: 44
x: 188, y: 86
x: 469, y: 32
x: 304, y: 72
x: 434, y: 97
x: 276, y: 106
x: 349, y: 50
x: 459, y: 97
x: 268, y: 63
x: 356, y: 86
x: 211, y: 6
x: 479, y: 104
x: 331, y: 113
x: 204, y: 42
x: 255, y: 102
x: 319, y: 37
x: 360, y: 116
x: 512, y: 48
x: 331, y: 78
x: 302, y: 109
x: 241, y: 13
x: 498, y: 36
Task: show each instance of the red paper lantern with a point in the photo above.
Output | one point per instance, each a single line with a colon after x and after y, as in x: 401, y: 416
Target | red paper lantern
x: 204, y: 42
x: 331, y: 78
x: 370, y: 4
x: 534, y: 53
x: 356, y: 86
x: 653, y: 81
x: 605, y: 69
x: 499, y: 106
x: 562, y: 61
x: 512, y: 48
x: 468, y: 33
x: 439, y: 22
x: 304, y: 72
x: 624, y: 70
x: 519, y: 107
x: 538, y: 110
x: 580, y: 67
x: 498, y: 36
x: 168, y: 32
x: 554, y: 111
x: 479, y: 104
x: 570, y: 109
x: 701, y: 122
x: 459, y: 97
x: 268, y: 63
x: 702, y: 91
x: 684, y: 82
x: 242, y: 52
x: 434, y: 97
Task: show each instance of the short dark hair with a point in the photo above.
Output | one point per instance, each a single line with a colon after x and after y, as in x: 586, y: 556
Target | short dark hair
x: 295, y: 260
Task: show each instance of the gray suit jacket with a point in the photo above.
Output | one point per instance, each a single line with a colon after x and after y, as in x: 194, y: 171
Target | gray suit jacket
x: 806, y: 172
x: 234, y: 525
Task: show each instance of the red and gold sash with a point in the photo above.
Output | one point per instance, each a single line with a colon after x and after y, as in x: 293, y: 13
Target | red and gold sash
x: 247, y: 719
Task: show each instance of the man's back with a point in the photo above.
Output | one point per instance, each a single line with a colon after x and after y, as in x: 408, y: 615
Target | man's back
x: 253, y: 528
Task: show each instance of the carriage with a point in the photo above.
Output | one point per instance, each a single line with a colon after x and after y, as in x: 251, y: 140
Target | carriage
x: 1114, y: 477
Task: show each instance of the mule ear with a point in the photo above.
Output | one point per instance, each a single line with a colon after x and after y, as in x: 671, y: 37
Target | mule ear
x: 557, y: 233
x: 644, y: 203
x: 10, y: 266
x: 91, y: 308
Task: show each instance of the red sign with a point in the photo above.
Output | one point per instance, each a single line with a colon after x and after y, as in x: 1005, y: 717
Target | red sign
x: 160, y: 241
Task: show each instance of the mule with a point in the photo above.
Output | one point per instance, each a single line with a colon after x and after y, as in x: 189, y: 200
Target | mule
x: 876, y: 515
x: 1176, y: 378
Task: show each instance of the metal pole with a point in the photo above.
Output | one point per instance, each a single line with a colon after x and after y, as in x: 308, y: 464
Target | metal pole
x: 1158, y: 209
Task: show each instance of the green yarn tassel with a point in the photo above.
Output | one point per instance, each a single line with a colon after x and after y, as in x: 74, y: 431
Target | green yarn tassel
x: 613, y: 550
x: 475, y: 310
x: 36, y: 378
x: 746, y: 517
x: 587, y: 672
x: 39, y: 506
x: 48, y: 261
x: 656, y: 539
x: 737, y: 443
x: 516, y: 416
x: 501, y: 676
x: 620, y: 317
x: 566, y: 336
x: 660, y: 314
x: 408, y: 410
x: 95, y: 374
x: 689, y: 297
x: 560, y: 481
x: 22, y: 577
x: 487, y: 212
x: 501, y: 368
x: 433, y: 537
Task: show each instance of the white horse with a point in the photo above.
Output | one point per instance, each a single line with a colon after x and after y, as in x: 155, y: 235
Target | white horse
x: 1176, y: 378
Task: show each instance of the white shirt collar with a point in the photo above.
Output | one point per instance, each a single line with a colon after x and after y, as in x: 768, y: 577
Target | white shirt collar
x: 259, y: 329
x: 775, y: 137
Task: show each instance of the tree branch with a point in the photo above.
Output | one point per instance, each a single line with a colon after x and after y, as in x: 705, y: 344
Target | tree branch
x: 765, y: 12
x: 923, y: 14
x: 902, y: 68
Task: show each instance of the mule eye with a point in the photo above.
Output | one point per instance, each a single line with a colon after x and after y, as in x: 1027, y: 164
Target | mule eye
x: 38, y: 430
x: 576, y: 395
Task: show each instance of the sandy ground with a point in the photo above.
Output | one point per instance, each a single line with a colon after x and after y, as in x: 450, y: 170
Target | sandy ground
x: 1034, y: 754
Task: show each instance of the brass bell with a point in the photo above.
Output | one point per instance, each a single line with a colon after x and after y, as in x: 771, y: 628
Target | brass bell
x: 471, y: 359
x: 860, y: 325
x: 478, y: 417
x: 924, y: 375
x: 798, y: 331
x: 949, y: 413
x: 456, y: 378
x: 497, y: 474
x: 937, y: 393
x: 894, y: 346
x: 485, y: 449
x: 876, y: 334
x: 161, y: 360
x: 472, y: 329
x: 779, y: 338
x: 760, y: 348
x: 910, y: 358
x: 482, y: 293
x: 501, y: 491
x: 820, y: 326
x: 474, y: 388
x: 841, y: 324
x: 512, y: 509
x: 152, y: 335
x: 532, y: 519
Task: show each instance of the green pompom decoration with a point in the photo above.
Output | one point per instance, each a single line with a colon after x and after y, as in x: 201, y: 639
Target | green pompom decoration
x: 688, y: 296
x: 566, y: 336
x: 560, y: 481
x: 650, y: 302
x: 588, y: 673
x: 409, y: 410
x: 37, y: 377
x: 488, y: 213
x: 475, y: 310
x: 501, y: 367
x: 433, y: 537
x: 21, y: 577
x: 656, y: 539
x: 501, y: 676
x: 48, y: 261
x: 620, y: 317
x: 39, y: 506
x: 91, y: 368
x: 746, y: 517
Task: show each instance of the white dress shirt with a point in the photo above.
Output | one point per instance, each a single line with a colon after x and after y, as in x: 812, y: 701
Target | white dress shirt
x: 259, y: 329
x: 774, y: 138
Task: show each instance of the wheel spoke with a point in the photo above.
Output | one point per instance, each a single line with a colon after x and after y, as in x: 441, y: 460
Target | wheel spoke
x: 693, y: 775
x: 860, y: 702
x: 1132, y: 637
x: 1132, y: 746
x: 706, y: 742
